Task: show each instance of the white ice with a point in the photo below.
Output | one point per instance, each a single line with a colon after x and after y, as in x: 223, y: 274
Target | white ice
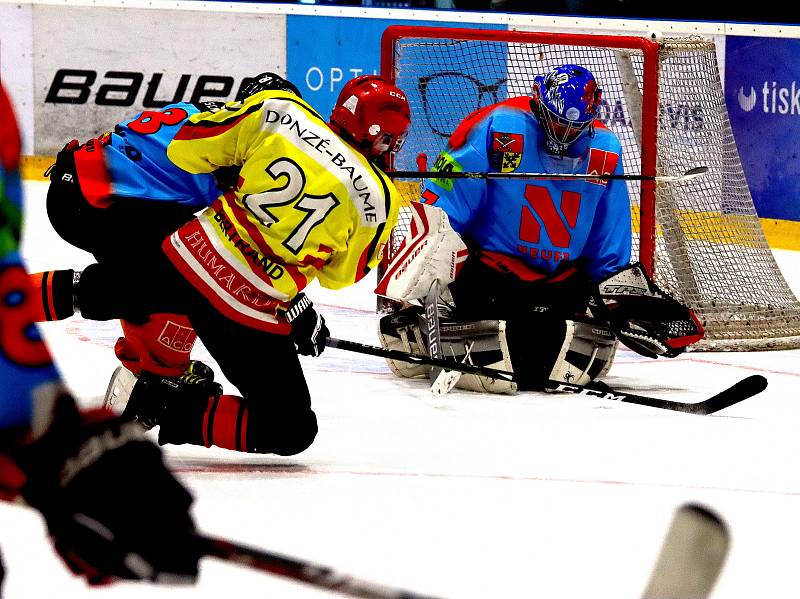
x: 467, y: 496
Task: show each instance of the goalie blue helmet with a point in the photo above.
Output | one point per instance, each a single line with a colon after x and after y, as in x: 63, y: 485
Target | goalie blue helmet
x: 565, y: 101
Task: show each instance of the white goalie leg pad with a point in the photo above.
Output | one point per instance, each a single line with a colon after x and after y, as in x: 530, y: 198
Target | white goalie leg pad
x: 400, y: 331
x: 586, y: 354
x: 430, y: 252
x: 480, y: 343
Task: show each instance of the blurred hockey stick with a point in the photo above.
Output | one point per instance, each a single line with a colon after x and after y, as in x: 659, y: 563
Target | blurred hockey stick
x: 301, y: 570
x: 745, y: 388
x: 691, y: 557
x: 687, y: 176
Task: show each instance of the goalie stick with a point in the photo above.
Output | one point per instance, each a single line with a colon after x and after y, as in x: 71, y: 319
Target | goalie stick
x: 743, y: 389
x: 301, y: 570
x: 687, y: 176
x: 691, y: 557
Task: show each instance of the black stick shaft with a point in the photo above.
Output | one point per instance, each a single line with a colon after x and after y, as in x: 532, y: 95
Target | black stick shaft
x: 301, y: 570
x: 393, y: 354
x: 740, y: 391
x: 690, y: 174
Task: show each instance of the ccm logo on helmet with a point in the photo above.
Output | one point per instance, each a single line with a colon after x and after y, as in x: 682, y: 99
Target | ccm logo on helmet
x: 397, y: 94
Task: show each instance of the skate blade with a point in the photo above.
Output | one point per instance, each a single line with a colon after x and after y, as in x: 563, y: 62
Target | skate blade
x: 119, y: 390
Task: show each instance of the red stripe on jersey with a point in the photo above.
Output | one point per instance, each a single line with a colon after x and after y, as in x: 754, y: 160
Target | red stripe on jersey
x: 93, y: 175
x: 205, y: 129
x: 363, y: 260
x: 459, y: 136
x: 214, y: 293
x: 510, y: 265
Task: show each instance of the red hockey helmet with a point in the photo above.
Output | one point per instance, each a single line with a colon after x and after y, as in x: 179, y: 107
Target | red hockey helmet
x: 372, y: 114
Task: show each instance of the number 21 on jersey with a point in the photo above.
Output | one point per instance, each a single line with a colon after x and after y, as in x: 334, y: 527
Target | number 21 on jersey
x: 316, y: 208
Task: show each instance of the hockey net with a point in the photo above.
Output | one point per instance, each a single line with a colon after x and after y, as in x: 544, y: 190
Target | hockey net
x: 701, y: 238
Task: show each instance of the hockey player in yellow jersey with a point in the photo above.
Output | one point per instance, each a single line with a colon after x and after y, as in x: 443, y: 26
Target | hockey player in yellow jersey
x: 306, y: 205
x: 311, y: 201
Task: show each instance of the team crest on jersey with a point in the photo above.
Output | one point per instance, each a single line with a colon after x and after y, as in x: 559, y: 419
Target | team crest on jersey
x: 507, y: 151
x: 601, y: 162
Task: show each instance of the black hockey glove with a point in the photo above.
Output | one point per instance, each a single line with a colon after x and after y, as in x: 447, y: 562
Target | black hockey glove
x: 644, y: 317
x: 112, y: 508
x: 309, y: 332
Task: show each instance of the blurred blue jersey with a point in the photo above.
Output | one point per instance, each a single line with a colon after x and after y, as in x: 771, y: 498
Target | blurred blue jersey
x: 26, y: 369
x: 546, y: 223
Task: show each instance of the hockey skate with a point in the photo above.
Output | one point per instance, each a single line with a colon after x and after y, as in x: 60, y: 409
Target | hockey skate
x: 123, y: 381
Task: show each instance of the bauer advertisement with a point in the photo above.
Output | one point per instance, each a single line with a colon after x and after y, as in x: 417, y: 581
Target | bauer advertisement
x: 83, y: 89
x: 762, y: 89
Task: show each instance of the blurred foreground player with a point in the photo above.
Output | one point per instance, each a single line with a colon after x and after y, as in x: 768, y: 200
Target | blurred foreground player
x: 310, y: 201
x: 525, y: 258
x: 112, y: 509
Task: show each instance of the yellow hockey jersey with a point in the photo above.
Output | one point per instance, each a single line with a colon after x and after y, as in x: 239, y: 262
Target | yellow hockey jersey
x: 307, y: 205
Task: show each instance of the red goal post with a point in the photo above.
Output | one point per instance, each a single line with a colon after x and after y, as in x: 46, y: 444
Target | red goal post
x: 701, y: 239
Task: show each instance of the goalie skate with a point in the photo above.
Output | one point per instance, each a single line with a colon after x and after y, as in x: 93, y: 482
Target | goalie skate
x: 119, y: 390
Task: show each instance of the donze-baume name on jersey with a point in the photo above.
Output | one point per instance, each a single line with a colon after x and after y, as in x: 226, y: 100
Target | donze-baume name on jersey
x: 330, y: 151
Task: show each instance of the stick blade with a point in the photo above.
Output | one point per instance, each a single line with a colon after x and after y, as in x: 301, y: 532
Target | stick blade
x: 691, y: 557
x: 744, y: 389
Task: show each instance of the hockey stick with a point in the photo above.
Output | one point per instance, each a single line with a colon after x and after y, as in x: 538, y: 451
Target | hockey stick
x: 691, y: 557
x: 687, y: 176
x: 745, y: 388
x: 304, y: 571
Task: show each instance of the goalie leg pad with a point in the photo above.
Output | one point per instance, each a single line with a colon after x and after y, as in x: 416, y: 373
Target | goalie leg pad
x: 400, y: 331
x: 586, y: 354
x: 546, y: 348
x: 480, y: 343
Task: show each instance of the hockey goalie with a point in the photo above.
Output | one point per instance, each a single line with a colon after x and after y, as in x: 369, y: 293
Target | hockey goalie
x: 530, y: 276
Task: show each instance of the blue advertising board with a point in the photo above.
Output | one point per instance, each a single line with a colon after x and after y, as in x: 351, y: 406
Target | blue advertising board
x: 322, y: 53
x: 762, y: 91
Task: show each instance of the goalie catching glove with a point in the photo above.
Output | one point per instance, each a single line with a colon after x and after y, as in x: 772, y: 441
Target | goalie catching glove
x: 644, y: 317
x: 112, y: 508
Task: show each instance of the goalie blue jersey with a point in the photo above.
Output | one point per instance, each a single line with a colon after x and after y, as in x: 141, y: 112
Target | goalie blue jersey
x: 132, y: 162
x: 545, y: 223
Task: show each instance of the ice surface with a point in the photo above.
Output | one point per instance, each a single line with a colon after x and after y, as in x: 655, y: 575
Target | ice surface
x: 466, y: 496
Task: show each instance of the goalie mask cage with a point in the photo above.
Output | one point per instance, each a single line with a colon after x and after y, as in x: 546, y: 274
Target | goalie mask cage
x: 700, y: 239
